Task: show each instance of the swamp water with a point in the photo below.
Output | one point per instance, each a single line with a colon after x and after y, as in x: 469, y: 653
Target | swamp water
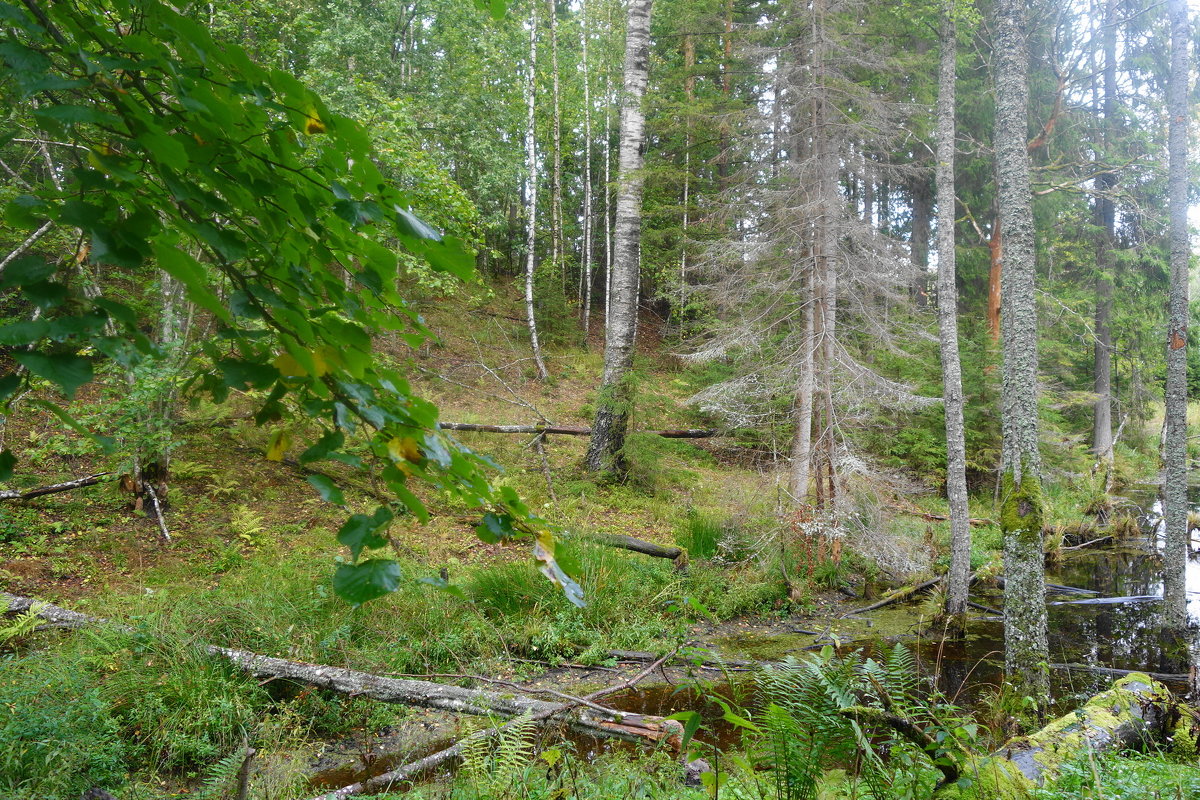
x: 1114, y: 626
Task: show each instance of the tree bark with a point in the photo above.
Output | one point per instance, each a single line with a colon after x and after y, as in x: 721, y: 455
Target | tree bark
x: 531, y: 195
x: 1175, y: 507
x: 1134, y: 709
x: 616, y: 389
x: 55, y: 488
x: 585, y: 296
x: 556, y: 207
x: 947, y: 297
x: 803, y: 407
x: 1025, y: 643
x: 1102, y: 434
x: 566, y: 430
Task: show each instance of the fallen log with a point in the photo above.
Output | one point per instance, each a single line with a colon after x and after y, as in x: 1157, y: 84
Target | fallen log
x: 570, y: 430
x: 1109, y: 601
x: 897, y: 596
x: 694, y: 658
x: 421, y: 694
x: 55, y: 488
x: 1050, y: 587
x: 1134, y: 709
x: 416, y: 769
x: 1162, y: 677
x: 620, y: 540
x: 931, y: 517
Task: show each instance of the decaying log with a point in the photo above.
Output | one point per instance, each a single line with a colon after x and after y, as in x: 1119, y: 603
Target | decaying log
x: 1134, y: 709
x: 695, y: 658
x: 898, y: 596
x: 1163, y: 677
x: 421, y: 694
x: 416, y: 769
x: 55, y: 488
x: 931, y: 517
x: 570, y: 430
x: 676, y: 554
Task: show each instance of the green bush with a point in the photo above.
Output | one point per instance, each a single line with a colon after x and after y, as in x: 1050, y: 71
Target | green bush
x: 57, y: 734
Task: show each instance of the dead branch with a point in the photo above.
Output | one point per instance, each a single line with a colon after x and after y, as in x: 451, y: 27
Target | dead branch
x: 54, y: 488
x: 569, y: 430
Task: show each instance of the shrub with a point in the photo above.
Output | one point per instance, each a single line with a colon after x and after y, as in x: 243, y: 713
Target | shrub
x: 57, y: 733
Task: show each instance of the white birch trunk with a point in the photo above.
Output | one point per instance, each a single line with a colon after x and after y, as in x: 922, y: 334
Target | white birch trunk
x: 585, y: 296
x: 616, y: 396
x: 531, y: 195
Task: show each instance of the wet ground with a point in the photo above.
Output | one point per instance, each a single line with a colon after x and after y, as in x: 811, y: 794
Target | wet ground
x: 1115, y: 625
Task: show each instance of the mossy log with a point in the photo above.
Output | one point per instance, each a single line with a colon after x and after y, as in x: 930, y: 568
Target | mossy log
x: 1136, y: 709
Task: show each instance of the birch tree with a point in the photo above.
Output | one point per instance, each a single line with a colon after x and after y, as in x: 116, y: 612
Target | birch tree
x: 616, y: 390
x: 1026, y: 651
x: 531, y: 194
x: 1175, y: 510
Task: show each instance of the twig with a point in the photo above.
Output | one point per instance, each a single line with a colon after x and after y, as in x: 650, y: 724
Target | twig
x: 160, y: 513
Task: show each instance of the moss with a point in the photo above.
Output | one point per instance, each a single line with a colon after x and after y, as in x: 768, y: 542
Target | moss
x: 1056, y: 744
x: 1023, y: 509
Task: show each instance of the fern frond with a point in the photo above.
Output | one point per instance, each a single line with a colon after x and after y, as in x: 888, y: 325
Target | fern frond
x: 220, y: 777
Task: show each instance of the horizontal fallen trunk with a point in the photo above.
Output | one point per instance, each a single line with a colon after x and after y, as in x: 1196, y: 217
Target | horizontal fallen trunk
x: 422, y: 694
x: 931, y: 517
x: 570, y: 430
x: 55, y: 488
x: 416, y: 769
x: 1135, y: 709
x: 1163, y: 677
x: 897, y: 596
x: 676, y: 554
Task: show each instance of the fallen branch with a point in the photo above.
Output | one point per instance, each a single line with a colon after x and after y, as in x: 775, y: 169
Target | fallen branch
x: 569, y: 430
x: 1086, y: 544
x: 897, y: 596
x: 1164, y: 677
x: 676, y: 554
x: 55, y: 488
x: 420, y: 694
x: 911, y: 731
x: 410, y: 772
x: 931, y: 517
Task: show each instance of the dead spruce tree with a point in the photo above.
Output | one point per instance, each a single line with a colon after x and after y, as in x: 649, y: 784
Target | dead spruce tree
x: 616, y: 391
x: 1026, y: 653
x: 807, y: 271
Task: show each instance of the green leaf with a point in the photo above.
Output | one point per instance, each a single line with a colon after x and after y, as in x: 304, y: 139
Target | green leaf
x: 444, y: 585
x: 691, y: 724
x: 68, y: 371
x: 323, y: 448
x: 25, y: 271
x: 327, y: 489
x: 495, y: 527
x: 359, y: 583
x: 188, y: 271
x: 412, y: 225
x: 362, y: 531
x: 26, y: 332
x: 57, y: 116
x: 9, y: 385
x: 7, y: 462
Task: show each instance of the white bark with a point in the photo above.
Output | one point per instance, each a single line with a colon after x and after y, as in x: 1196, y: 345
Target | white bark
x: 585, y: 297
x: 612, y: 412
x: 531, y: 195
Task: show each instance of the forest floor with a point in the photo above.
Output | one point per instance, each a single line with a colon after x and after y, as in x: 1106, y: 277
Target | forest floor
x: 252, y: 548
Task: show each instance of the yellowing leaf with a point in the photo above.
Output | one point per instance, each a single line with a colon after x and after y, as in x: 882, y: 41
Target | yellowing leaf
x: 404, y: 448
x: 280, y: 442
x: 313, y: 124
x: 325, y: 357
x: 288, y: 366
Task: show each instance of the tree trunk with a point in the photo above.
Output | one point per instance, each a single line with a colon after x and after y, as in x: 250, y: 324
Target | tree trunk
x: 1022, y: 509
x: 1175, y: 508
x: 556, y: 207
x: 585, y: 296
x: 531, y: 195
x: 1134, y: 710
x: 616, y: 391
x: 918, y: 253
x: 947, y: 298
x: 1102, y: 434
x: 803, y: 408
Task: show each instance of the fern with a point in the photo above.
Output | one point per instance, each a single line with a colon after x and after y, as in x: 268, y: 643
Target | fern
x: 495, y: 765
x: 220, y: 778
x: 23, y: 625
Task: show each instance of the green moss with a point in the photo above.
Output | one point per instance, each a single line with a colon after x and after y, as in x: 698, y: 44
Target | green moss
x: 1023, y: 508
